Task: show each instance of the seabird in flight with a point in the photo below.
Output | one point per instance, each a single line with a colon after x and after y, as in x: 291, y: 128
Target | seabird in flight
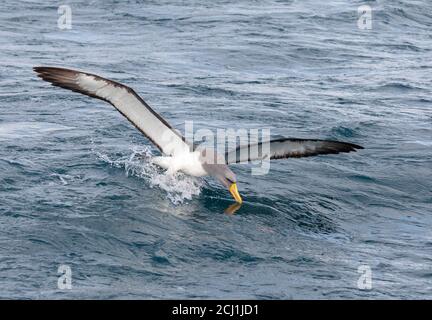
x: 179, y: 154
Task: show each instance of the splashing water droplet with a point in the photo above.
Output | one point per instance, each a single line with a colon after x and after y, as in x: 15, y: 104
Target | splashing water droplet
x: 178, y: 187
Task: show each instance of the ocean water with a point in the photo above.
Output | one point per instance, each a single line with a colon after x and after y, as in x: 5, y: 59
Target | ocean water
x: 77, y: 189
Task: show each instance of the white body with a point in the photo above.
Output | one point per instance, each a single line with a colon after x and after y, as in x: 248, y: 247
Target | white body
x: 186, y: 162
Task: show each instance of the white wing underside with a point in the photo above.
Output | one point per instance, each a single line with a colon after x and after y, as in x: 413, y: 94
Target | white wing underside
x: 125, y: 100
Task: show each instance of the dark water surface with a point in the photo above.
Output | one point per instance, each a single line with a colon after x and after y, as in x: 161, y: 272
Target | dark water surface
x: 73, y: 191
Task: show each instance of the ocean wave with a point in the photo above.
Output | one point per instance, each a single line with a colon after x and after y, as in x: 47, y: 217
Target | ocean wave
x: 17, y: 130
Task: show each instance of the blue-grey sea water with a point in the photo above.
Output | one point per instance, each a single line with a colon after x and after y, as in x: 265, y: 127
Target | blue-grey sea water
x: 76, y: 187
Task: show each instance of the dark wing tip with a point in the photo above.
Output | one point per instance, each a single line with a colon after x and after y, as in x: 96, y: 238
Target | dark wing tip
x: 52, y: 73
x: 332, y: 145
x: 65, y: 78
x: 319, y: 147
x: 340, y: 147
x: 38, y: 69
x: 50, y: 70
x: 45, y: 68
x: 353, y: 146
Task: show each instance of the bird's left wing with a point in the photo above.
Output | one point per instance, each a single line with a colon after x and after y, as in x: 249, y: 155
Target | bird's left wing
x: 287, y: 148
x: 125, y: 100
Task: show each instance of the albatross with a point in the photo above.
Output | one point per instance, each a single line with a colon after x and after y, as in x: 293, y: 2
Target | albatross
x: 177, y: 153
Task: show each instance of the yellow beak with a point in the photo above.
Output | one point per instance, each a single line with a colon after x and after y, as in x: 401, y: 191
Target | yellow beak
x: 234, y: 191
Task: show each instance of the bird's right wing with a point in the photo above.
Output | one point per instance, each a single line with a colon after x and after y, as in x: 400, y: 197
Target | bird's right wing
x: 125, y: 100
x: 287, y: 148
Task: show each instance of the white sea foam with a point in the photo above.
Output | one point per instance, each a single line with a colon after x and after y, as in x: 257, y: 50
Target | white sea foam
x: 178, y: 187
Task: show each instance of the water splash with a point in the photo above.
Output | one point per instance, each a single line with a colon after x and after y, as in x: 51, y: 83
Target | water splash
x: 178, y: 187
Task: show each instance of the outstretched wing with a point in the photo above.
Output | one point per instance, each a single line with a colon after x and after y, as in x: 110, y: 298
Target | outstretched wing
x: 125, y: 100
x: 287, y: 148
